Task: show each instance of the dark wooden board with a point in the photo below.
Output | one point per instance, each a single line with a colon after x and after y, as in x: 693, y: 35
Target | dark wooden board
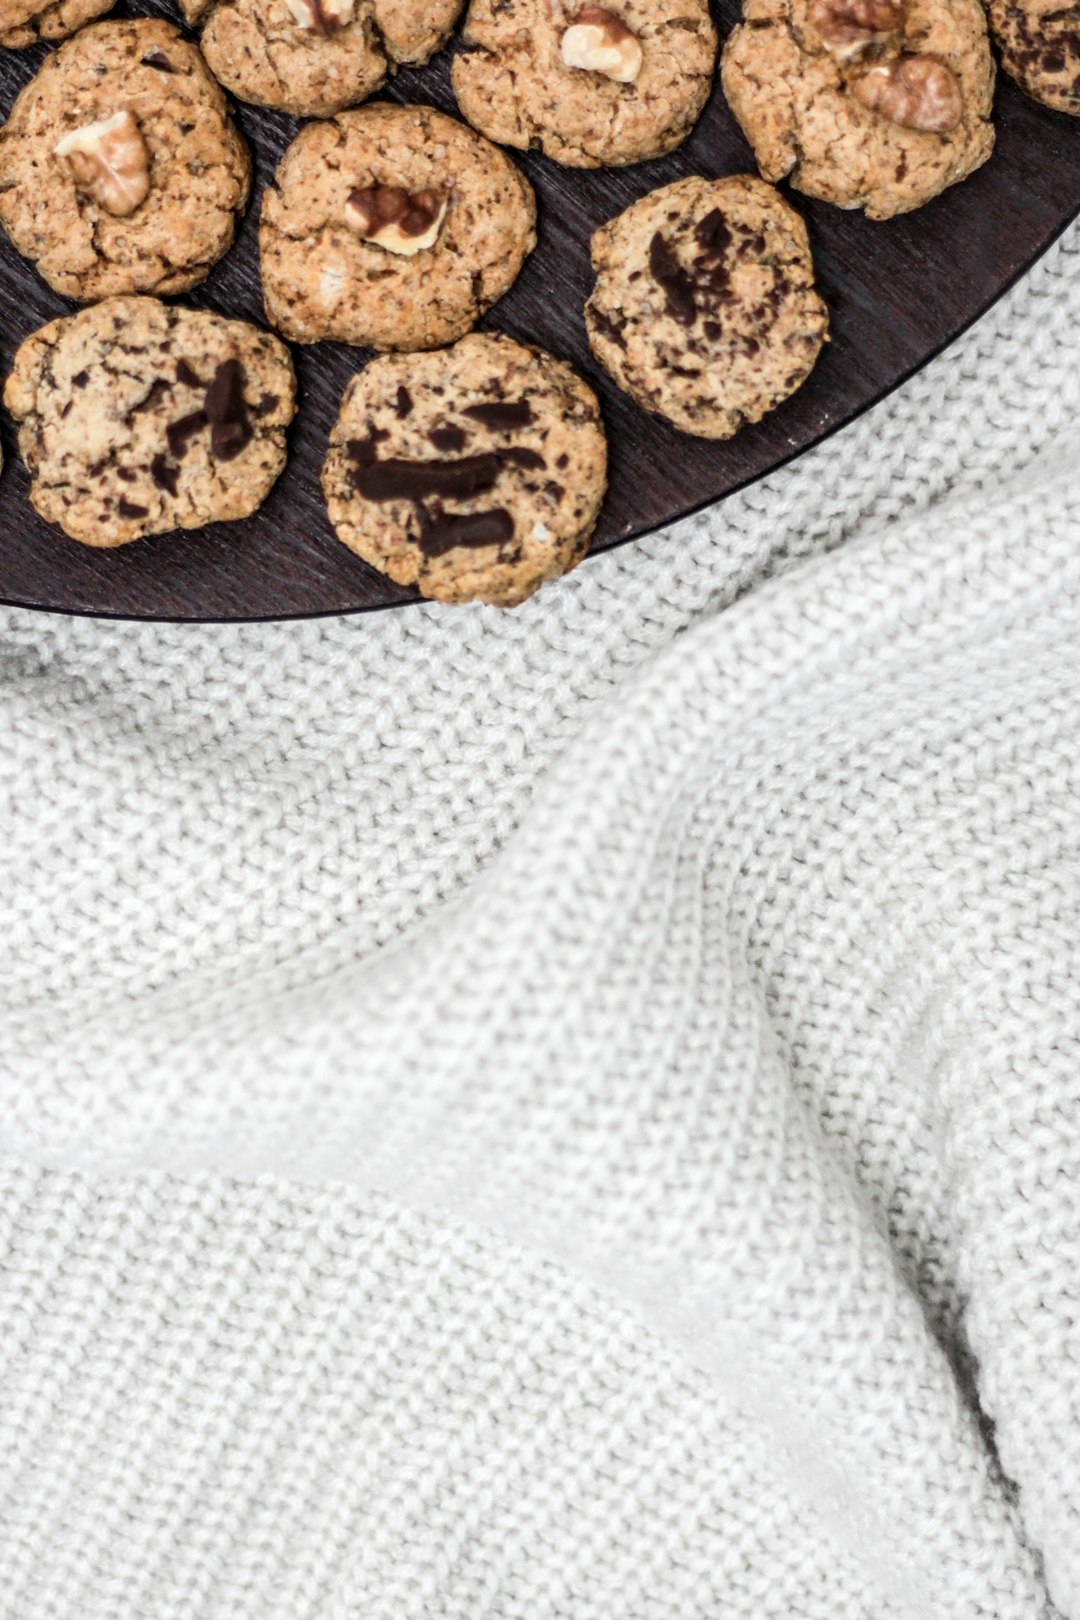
x: 897, y: 291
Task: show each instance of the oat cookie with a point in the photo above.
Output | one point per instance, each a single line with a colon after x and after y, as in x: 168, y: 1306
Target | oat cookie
x: 394, y: 227
x: 24, y: 22
x: 591, y: 85
x: 314, y: 57
x: 138, y: 417
x: 1040, y: 48
x: 474, y: 472
x: 704, y: 309
x: 873, y: 104
x: 120, y: 169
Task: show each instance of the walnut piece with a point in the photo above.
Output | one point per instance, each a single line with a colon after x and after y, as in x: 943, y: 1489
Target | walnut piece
x: 918, y: 92
x: 108, y: 160
x: 400, y: 221
x: 322, y: 16
x: 847, y: 27
x: 599, y: 42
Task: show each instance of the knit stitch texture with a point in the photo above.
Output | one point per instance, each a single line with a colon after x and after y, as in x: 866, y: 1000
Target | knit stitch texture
x: 573, y: 1114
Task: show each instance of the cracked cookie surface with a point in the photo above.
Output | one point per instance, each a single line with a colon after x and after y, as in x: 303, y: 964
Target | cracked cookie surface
x: 24, y: 22
x: 1040, y: 49
x: 797, y: 100
x: 137, y: 417
x: 475, y: 472
x: 324, y: 278
x: 197, y: 164
x: 705, y: 310
x: 514, y: 83
x: 312, y: 58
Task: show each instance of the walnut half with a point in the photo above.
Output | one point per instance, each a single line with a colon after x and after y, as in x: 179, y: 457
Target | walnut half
x: 599, y: 42
x: 402, y: 222
x: 108, y: 160
x: 322, y: 16
x: 918, y: 92
x: 847, y: 27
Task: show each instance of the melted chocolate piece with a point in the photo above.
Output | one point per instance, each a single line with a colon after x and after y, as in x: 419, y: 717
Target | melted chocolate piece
x: 517, y: 455
x: 364, y: 451
x: 80, y: 379
x: 157, y: 391
x: 157, y: 59
x: 130, y: 509
x: 375, y: 207
x: 608, y: 326
x: 676, y: 283
x: 179, y: 434
x: 449, y: 529
x: 227, y: 412
x: 185, y: 374
x: 398, y: 479
x: 404, y: 401
x: 448, y: 439
x: 164, y: 476
x: 501, y: 414
x: 267, y: 403
x: 713, y: 235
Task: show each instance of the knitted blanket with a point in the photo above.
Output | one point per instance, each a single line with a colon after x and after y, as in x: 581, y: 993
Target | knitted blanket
x: 572, y: 1114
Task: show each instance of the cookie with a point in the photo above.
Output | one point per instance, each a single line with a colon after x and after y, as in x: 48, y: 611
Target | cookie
x: 120, y: 169
x: 314, y: 57
x: 704, y: 309
x: 1040, y: 49
x: 587, y: 84
x: 394, y: 227
x: 24, y: 22
x: 872, y: 104
x: 138, y: 417
x: 474, y: 473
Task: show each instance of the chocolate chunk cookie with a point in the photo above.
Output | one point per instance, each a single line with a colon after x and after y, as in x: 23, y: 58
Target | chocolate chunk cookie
x: 314, y: 57
x: 591, y: 85
x: 1040, y: 48
x: 120, y: 169
x: 394, y: 227
x: 704, y: 309
x: 24, y: 22
x: 873, y: 104
x: 475, y: 473
x: 138, y: 417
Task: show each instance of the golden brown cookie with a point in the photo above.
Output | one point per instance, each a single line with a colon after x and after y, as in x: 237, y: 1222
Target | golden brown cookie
x: 704, y: 309
x: 120, y: 169
x: 1040, y: 49
x: 474, y: 473
x: 873, y: 104
x: 314, y: 57
x: 138, y: 417
x: 24, y: 22
x: 590, y: 85
x: 394, y: 227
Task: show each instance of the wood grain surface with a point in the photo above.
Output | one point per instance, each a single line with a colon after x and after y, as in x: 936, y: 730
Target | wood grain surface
x: 897, y: 291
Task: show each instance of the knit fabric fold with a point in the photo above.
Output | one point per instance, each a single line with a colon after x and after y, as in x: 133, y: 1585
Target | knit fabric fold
x: 571, y: 1113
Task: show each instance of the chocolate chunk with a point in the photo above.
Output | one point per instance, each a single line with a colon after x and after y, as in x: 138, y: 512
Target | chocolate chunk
x: 129, y: 509
x: 157, y: 59
x: 676, y: 283
x: 398, y: 479
x: 268, y: 403
x: 517, y: 455
x: 449, y: 529
x: 610, y: 327
x: 180, y: 433
x: 227, y: 412
x: 157, y: 391
x: 563, y: 461
x: 448, y: 439
x: 713, y: 235
x: 80, y: 379
x: 164, y: 476
x: 185, y: 375
x: 501, y: 414
x: 404, y: 401
x: 364, y: 451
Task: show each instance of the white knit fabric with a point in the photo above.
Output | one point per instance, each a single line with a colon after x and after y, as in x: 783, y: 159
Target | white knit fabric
x: 571, y: 1115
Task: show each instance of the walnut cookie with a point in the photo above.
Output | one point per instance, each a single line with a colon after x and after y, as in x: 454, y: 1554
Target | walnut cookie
x: 474, y: 473
x: 312, y: 58
x: 394, y: 227
x: 704, y: 309
x: 120, y: 169
x: 138, y: 417
x: 590, y: 85
x: 873, y: 104
x: 24, y: 22
x: 1040, y: 49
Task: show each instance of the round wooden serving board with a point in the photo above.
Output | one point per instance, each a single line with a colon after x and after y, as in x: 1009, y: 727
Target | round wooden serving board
x: 897, y: 292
